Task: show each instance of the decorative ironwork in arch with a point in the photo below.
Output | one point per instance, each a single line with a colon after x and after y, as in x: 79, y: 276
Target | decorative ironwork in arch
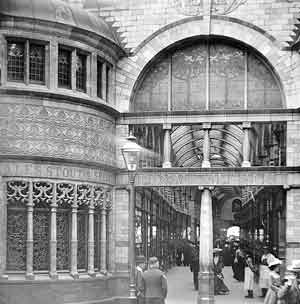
x: 208, y: 75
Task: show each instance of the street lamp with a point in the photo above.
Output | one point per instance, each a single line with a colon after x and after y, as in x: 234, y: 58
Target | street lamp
x: 130, y: 152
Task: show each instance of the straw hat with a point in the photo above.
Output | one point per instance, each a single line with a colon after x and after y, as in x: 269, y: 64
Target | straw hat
x: 294, y: 267
x: 217, y: 250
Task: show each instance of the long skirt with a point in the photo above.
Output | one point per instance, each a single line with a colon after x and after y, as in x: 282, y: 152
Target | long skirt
x: 220, y: 287
x: 249, y: 279
x: 264, y: 276
x: 271, y: 297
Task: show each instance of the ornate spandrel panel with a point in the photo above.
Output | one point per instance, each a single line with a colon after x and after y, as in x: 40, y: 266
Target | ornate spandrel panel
x: 16, y: 239
x: 188, y: 78
x: 263, y: 90
x: 35, y: 130
x: 153, y: 93
x: 63, y: 239
x: 41, y: 237
x: 82, y: 238
x: 97, y: 238
x: 227, y: 77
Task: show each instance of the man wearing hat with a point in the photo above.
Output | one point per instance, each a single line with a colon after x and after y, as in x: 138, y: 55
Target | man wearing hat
x: 289, y: 293
x: 154, y: 283
x: 140, y: 267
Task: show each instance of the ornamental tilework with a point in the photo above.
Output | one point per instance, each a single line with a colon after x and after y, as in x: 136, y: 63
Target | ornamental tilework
x: 52, y: 132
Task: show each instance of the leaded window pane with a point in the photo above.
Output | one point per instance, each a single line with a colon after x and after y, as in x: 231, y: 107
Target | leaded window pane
x: 63, y: 237
x: 82, y: 239
x: 152, y: 95
x: 64, y: 68
x: 41, y: 239
x: 263, y: 91
x: 15, y: 61
x: 188, y: 78
x: 227, y: 77
x: 99, y: 78
x: 37, y: 63
x: 81, y: 72
x: 16, y: 238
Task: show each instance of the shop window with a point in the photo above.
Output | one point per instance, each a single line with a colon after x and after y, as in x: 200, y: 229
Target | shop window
x: 25, y: 61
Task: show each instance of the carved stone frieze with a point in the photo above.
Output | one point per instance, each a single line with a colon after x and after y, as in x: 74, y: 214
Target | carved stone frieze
x: 35, y: 130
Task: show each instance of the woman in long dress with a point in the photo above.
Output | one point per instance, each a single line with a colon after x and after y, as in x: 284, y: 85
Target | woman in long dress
x: 249, y: 276
x: 275, y: 282
x: 219, y: 285
x: 264, y: 271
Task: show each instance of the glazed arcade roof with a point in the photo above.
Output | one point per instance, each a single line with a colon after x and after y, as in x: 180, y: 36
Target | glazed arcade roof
x: 58, y: 11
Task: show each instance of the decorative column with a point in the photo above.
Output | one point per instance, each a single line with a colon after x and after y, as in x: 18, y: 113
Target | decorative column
x: 206, y: 145
x: 29, y: 240
x: 246, y: 145
x: 103, y: 238
x: 167, y: 146
x: 53, y: 238
x: 206, y: 275
x: 3, y: 227
x: 91, y: 240
x: 109, y: 233
x: 74, y: 241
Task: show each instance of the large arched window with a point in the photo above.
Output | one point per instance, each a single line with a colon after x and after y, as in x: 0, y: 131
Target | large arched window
x: 207, y: 75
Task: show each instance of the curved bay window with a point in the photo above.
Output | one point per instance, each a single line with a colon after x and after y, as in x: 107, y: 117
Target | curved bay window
x: 208, y: 75
x: 40, y: 217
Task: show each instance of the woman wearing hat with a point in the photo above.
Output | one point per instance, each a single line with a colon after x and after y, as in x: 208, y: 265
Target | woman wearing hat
x: 219, y: 285
x: 249, y: 276
x: 289, y: 293
x: 275, y: 282
x: 264, y: 271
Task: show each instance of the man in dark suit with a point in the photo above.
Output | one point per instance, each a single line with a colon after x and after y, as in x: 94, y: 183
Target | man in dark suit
x: 154, y: 284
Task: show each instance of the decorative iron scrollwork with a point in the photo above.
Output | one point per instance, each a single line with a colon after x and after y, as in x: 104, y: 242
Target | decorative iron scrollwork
x: 42, y: 193
x: 84, y: 194
x: 17, y: 191
x: 98, y: 196
x: 65, y: 193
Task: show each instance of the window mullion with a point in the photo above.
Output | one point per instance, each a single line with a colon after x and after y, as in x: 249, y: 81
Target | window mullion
x: 246, y: 82
x: 207, y: 77
x: 104, y: 79
x: 26, y: 62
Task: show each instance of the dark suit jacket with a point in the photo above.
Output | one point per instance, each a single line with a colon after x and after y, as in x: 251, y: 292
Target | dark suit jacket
x: 154, y: 284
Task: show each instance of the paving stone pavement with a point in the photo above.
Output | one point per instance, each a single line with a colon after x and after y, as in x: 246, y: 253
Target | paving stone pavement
x: 181, y: 289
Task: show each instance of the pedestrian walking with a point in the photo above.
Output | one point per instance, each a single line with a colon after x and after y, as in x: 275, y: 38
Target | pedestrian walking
x: 249, y: 276
x: 154, y: 284
x: 264, y: 271
x: 289, y: 293
x: 219, y: 285
x: 195, y: 266
x: 275, y: 282
x: 140, y: 268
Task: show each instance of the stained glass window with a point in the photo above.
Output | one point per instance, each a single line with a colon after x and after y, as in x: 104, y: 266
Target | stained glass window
x: 81, y: 72
x: 15, y: 61
x: 215, y: 65
x: 64, y: 68
x: 37, y: 63
x: 227, y: 77
x: 188, y: 78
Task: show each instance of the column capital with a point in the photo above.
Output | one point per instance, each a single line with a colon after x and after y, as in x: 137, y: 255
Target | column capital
x: 246, y: 125
x: 201, y: 188
x: 206, y: 125
x: 167, y: 126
